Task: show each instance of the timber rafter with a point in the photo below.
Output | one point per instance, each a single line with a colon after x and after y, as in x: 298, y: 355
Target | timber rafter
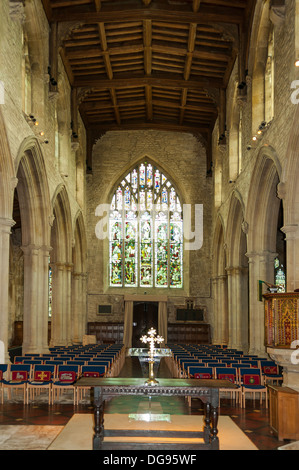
x: 160, y: 64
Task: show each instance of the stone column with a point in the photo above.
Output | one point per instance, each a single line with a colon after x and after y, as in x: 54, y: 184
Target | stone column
x: 36, y: 299
x: 61, y: 310
x: 237, y: 307
x: 261, y: 267
x: 220, y: 310
x: 78, y: 307
x: 292, y: 249
x: 5, y: 230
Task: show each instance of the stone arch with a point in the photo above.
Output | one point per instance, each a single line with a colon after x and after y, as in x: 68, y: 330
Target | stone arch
x: 61, y: 264
x: 237, y: 272
x: 36, y: 215
x: 7, y: 184
x: 289, y: 192
x: 263, y: 203
x: 154, y: 161
x: 262, y: 215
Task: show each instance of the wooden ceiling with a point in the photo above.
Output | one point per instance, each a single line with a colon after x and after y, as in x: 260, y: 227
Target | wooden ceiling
x: 156, y: 64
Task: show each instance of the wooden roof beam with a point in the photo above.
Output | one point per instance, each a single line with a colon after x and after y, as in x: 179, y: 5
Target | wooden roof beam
x: 205, y: 15
x: 98, y: 5
x: 166, y: 81
x: 147, y: 42
x: 196, y: 5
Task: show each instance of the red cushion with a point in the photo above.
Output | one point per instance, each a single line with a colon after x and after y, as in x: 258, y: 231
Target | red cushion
x: 1, y: 374
x: 270, y: 370
x: 91, y: 374
x: 42, y: 375
x: 19, y: 375
x: 250, y: 379
x: 67, y: 376
x: 230, y: 377
x: 202, y: 375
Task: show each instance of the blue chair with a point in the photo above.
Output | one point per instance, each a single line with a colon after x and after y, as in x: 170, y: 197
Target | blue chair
x: 270, y: 371
x: 231, y: 374
x: 19, y: 375
x: 200, y: 372
x: 251, y: 381
x: 66, y: 376
x: 42, y: 379
x: 90, y: 370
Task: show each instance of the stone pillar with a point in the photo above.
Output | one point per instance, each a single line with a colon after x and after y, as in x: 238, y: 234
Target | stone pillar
x: 292, y: 249
x: 220, y: 310
x: 78, y: 307
x: 36, y: 299
x: 261, y: 267
x: 235, y: 307
x: 61, y: 310
x: 5, y: 228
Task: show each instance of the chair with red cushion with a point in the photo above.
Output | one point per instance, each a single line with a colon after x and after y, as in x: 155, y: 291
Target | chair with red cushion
x: 66, y: 377
x: 251, y: 381
x: 90, y: 371
x: 42, y: 379
x: 18, y: 377
x: 271, y: 373
x: 231, y: 374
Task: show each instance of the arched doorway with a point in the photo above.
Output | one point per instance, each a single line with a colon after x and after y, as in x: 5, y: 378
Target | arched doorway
x: 145, y: 316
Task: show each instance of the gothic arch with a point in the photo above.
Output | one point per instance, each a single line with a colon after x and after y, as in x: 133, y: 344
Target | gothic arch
x: 7, y: 173
x: 262, y: 215
x: 61, y: 264
x: 7, y: 184
x: 33, y: 191
x: 237, y: 272
x: 263, y: 203
x: 289, y: 192
x: 61, y: 234
x: 154, y: 161
x: 36, y: 214
x: 236, y: 248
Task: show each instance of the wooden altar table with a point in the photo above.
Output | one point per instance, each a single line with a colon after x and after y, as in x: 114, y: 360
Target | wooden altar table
x: 206, y: 390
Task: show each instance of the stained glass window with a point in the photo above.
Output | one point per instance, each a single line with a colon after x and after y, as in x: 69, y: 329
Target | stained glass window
x: 146, y: 231
x: 280, y: 277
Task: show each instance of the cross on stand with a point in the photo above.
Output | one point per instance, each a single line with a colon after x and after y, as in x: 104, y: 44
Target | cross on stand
x: 152, y: 338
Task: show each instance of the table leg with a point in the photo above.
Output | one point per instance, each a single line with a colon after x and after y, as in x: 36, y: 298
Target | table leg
x: 98, y: 420
x: 214, y: 430
x: 207, y: 421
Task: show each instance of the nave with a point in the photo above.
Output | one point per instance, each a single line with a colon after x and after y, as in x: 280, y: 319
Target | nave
x: 252, y: 420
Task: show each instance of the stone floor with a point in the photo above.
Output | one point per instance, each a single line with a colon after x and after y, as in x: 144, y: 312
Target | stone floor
x: 253, y: 420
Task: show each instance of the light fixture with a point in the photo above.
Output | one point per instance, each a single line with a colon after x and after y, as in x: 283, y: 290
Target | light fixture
x: 254, y: 138
x: 297, y: 63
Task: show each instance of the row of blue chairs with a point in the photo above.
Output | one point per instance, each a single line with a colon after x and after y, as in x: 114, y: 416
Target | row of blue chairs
x: 58, y: 371
x: 210, y: 361
x: 32, y: 379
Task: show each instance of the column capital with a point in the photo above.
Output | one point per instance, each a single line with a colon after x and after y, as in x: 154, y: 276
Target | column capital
x: 6, y: 224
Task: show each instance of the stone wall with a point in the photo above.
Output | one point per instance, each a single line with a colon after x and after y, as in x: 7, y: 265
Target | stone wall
x: 183, y: 159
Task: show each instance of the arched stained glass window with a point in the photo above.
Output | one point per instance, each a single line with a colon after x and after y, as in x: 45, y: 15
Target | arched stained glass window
x: 146, y: 231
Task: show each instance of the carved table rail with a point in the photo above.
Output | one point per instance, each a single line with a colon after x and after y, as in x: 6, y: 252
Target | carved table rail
x: 206, y: 390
